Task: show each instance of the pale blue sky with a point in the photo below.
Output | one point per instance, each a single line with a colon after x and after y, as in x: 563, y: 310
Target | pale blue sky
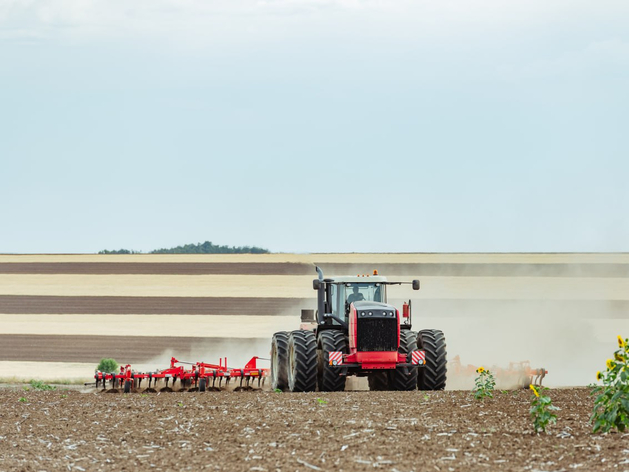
x: 308, y: 126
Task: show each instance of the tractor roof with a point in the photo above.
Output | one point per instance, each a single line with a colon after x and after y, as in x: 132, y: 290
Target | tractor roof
x: 365, y: 279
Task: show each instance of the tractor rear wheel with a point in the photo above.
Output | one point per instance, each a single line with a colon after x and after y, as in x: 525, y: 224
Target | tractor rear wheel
x: 378, y: 381
x: 279, y: 361
x: 433, y: 375
x: 302, y: 361
x: 399, y: 379
x: 328, y: 377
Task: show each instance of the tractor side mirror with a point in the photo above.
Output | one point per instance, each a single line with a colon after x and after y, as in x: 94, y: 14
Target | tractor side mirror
x: 316, y: 283
x: 415, y: 284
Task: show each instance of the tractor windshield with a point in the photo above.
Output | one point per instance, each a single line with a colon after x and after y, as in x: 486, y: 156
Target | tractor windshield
x: 356, y: 292
x: 342, y: 295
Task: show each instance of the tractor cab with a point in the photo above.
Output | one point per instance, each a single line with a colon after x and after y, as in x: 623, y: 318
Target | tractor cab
x: 347, y: 290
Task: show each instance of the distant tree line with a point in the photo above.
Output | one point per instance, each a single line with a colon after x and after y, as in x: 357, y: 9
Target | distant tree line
x: 119, y: 251
x: 200, y: 248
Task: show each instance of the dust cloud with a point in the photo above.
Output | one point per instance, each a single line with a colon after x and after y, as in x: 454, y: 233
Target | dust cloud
x: 570, y: 347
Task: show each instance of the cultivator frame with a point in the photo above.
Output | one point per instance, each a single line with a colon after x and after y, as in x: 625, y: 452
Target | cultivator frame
x: 202, y: 375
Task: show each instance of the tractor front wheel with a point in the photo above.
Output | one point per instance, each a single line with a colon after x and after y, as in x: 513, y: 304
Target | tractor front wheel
x: 432, y: 376
x: 302, y: 361
x: 279, y: 361
x: 328, y: 377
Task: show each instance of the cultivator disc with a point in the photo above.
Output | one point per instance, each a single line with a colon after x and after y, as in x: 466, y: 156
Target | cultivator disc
x: 194, y: 376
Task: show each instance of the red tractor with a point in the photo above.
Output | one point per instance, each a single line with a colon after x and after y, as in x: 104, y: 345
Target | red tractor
x: 356, y: 332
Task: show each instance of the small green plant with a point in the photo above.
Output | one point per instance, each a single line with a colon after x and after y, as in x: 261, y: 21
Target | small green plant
x: 485, y: 384
x: 321, y: 401
x: 107, y: 365
x: 542, y: 409
x: 278, y: 390
x: 64, y: 396
x: 180, y: 404
x: 22, y: 399
x: 611, y: 407
x: 40, y: 385
x: 25, y: 388
x: 426, y: 397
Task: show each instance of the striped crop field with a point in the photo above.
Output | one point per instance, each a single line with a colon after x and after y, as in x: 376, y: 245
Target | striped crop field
x: 60, y: 314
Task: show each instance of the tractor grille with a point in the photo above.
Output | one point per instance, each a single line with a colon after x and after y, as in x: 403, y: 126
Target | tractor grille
x: 376, y: 334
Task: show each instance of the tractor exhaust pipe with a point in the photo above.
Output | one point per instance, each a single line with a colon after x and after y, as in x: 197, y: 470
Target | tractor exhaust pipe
x: 319, y: 286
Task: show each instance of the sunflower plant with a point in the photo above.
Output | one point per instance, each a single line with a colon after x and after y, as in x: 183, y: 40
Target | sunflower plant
x: 542, y: 409
x: 485, y: 383
x: 611, y: 407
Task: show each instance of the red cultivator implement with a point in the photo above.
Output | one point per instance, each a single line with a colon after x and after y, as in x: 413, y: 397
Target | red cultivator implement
x: 199, y: 376
x: 518, y: 374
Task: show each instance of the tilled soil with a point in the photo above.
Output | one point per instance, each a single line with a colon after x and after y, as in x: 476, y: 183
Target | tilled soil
x: 267, y: 431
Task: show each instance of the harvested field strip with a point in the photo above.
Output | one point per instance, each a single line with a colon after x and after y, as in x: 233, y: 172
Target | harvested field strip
x: 131, y: 349
x: 292, y: 268
x: 18, y: 304
x: 170, y: 268
x: 246, y: 286
x: 270, y: 286
x: 76, y: 372
x: 524, y: 309
x: 354, y: 258
x: 226, y: 326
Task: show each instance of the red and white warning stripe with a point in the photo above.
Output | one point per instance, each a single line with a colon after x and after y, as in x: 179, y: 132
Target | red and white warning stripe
x: 418, y: 357
x: 336, y: 358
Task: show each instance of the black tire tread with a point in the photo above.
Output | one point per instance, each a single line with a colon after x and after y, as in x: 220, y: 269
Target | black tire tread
x: 302, y: 348
x: 434, y: 374
x: 279, y: 345
x: 398, y: 379
x: 328, y: 379
x: 378, y: 381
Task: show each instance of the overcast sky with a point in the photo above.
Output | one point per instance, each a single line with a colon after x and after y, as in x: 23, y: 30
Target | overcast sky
x: 310, y: 126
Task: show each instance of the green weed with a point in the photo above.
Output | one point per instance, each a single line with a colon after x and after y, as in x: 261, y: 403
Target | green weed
x: 611, y: 406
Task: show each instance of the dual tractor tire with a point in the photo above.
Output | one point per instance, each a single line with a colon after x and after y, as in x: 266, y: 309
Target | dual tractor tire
x: 302, y: 361
x: 279, y: 361
x: 433, y: 375
x: 329, y: 379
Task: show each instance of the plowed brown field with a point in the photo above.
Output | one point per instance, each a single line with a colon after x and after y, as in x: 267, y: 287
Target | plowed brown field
x: 265, y: 431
